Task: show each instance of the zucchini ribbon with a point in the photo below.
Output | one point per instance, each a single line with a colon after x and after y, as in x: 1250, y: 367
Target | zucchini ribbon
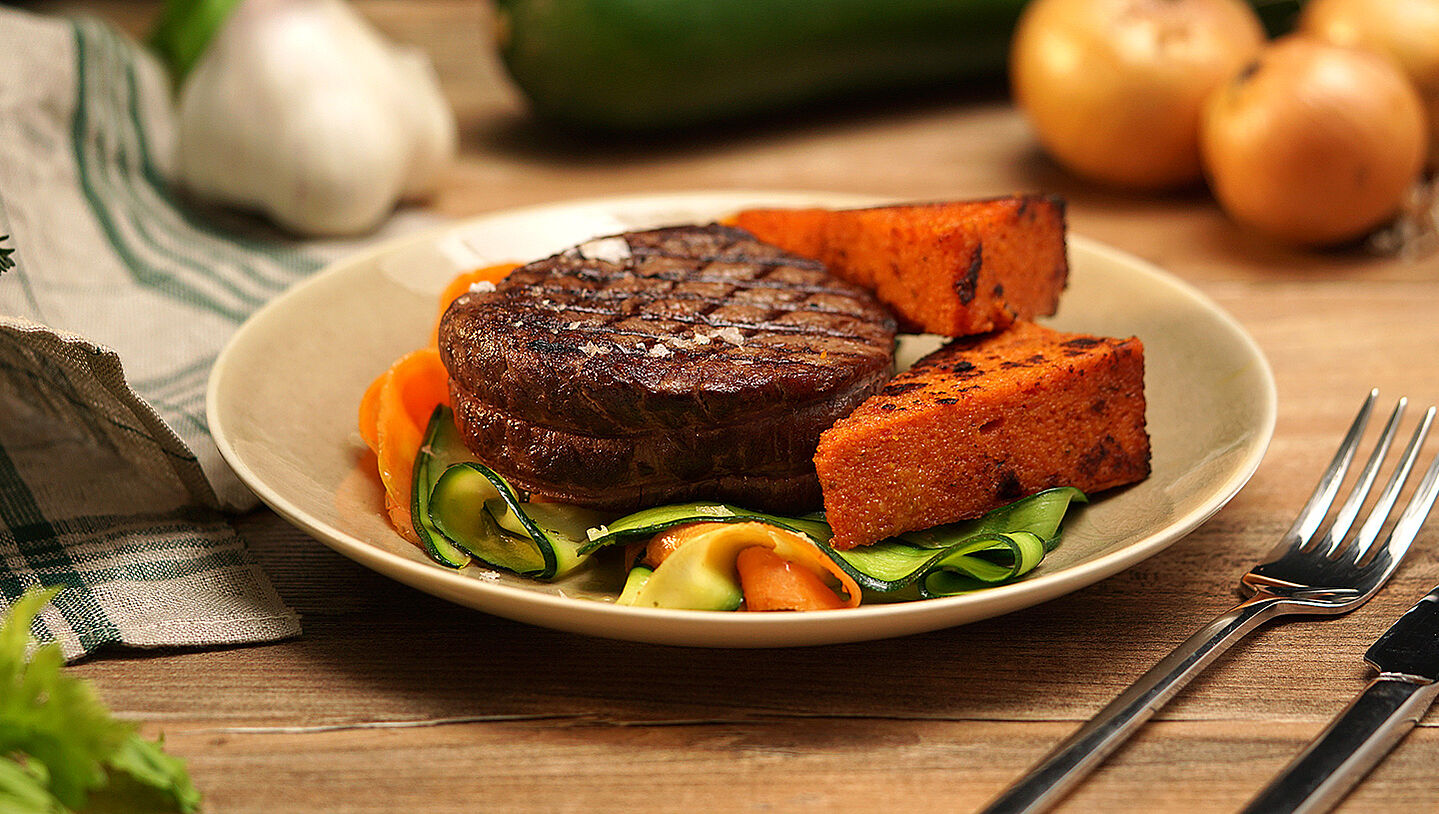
x: 999, y: 547
x: 464, y: 510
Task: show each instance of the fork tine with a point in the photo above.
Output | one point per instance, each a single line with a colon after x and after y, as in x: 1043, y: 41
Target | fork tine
x: 1401, y: 535
x: 1404, y: 531
x: 1309, y: 518
x: 1344, y: 518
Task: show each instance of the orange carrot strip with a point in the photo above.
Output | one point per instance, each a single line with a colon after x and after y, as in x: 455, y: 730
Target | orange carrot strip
x: 370, y: 412
x: 664, y: 544
x: 412, y: 388
x: 772, y: 583
x: 396, y: 407
x: 804, y: 552
x: 462, y: 283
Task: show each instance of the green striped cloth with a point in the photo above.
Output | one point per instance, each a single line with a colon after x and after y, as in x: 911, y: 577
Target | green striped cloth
x: 115, y: 298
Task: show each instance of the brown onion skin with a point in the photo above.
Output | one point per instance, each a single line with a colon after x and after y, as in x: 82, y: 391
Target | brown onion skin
x: 1114, y: 88
x: 1313, y: 143
x: 1406, y: 30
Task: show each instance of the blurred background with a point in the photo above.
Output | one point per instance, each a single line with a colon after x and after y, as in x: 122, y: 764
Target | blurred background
x: 913, y: 100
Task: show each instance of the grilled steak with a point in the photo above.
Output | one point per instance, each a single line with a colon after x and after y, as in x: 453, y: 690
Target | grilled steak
x: 691, y: 362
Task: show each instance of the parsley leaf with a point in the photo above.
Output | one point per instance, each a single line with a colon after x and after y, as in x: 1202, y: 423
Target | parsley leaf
x: 58, y: 742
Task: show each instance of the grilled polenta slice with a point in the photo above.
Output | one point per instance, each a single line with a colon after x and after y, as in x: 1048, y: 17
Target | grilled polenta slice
x: 982, y: 422
x: 953, y: 268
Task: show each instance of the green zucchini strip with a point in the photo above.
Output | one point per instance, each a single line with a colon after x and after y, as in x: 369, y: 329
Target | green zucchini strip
x: 958, y: 573
x: 969, y: 563
x: 996, y: 548
x: 1040, y: 514
x: 698, y: 575
x: 431, y: 462
x: 646, y: 523
x: 634, y: 581
x: 557, y: 527
x: 472, y: 509
x: 463, y: 509
x: 539, y: 540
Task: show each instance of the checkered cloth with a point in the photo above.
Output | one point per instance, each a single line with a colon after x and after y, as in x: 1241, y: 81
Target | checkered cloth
x: 114, y: 302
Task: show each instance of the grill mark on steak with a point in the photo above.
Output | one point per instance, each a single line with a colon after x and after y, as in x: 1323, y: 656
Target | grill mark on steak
x: 566, y: 300
x: 771, y: 258
x: 689, y: 296
x: 772, y: 327
x: 557, y: 384
x: 735, y: 259
x: 600, y: 274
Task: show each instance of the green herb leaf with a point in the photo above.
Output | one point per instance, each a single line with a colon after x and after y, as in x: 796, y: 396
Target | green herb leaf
x: 49, y: 717
x: 6, y: 261
x: 22, y: 790
x: 58, y: 742
x: 146, y: 763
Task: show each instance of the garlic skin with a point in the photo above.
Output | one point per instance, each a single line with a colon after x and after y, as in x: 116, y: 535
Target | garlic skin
x: 299, y: 109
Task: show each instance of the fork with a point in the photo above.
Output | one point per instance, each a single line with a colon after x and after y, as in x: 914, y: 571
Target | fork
x: 1328, y: 576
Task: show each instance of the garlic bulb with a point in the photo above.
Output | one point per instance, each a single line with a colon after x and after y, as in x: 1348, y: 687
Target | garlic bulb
x: 299, y: 109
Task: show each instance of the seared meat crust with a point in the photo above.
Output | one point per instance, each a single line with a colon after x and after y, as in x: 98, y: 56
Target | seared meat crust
x: 688, y: 362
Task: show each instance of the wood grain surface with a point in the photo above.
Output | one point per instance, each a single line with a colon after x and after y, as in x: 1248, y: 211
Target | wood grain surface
x: 396, y: 701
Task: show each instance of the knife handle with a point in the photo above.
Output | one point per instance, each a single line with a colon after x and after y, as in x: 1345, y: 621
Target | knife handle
x: 1353, y: 743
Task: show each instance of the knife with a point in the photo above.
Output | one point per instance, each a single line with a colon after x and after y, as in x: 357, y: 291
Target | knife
x: 1407, y: 658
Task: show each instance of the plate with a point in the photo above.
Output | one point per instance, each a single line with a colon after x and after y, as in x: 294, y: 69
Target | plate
x: 283, y: 396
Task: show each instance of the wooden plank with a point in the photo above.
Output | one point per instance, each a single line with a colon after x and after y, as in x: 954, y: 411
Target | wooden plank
x: 814, y: 764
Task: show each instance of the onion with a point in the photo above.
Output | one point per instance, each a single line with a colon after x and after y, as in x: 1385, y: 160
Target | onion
x: 1114, y: 88
x: 1313, y: 143
x: 1405, y: 30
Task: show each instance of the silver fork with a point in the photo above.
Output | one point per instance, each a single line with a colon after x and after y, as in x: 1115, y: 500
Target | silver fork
x: 1328, y: 576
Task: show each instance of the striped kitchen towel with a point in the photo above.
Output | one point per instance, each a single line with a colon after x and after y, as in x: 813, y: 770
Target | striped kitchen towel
x: 115, y: 299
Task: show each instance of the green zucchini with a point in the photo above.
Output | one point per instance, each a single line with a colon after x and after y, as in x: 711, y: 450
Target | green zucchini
x: 557, y: 527
x: 699, y: 575
x: 483, y: 514
x: 463, y: 510
x: 1001, y: 546
x: 646, y: 523
x: 441, y: 448
x: 634, y: 581
x: 631, y: 65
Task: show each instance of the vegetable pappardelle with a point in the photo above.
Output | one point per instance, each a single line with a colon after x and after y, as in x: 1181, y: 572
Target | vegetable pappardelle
x: 694, y: 556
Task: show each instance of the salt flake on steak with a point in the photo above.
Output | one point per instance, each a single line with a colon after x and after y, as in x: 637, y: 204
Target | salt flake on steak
x: 606, y: 250
x: 730, y: 335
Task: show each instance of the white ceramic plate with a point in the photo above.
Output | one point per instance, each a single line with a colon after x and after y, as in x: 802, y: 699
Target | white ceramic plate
x: 283, y: 399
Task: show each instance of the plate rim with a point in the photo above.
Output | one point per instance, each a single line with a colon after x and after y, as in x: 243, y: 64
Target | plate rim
x: 697, y: 628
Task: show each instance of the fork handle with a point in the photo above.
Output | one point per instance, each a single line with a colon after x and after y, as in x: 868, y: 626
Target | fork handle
x: 1055, y: 776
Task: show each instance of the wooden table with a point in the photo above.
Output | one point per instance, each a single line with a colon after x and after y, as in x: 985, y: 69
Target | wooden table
x: 396, y: 701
